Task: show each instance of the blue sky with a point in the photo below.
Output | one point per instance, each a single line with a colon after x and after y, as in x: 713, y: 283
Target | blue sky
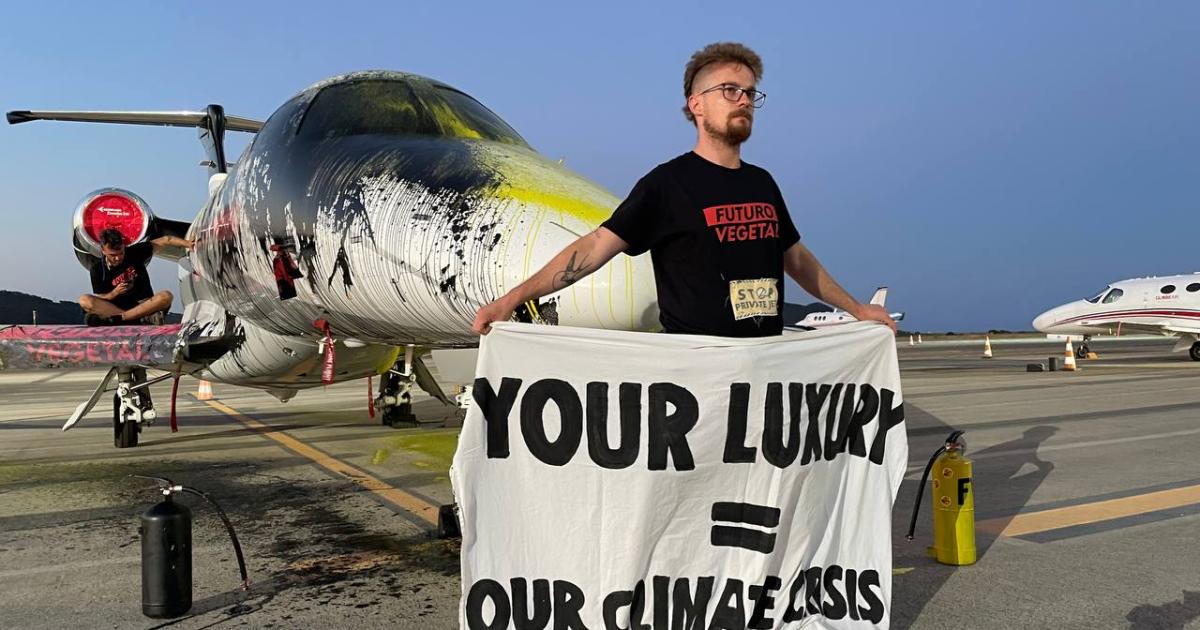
x: 985, y: 160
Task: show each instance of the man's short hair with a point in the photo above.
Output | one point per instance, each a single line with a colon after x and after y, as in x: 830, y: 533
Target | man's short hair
x: 720, y: 52
x: 112, y: 238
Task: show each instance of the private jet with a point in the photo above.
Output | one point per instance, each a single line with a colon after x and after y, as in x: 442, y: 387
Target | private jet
x: 368, y: 219
x: 1168, y: 305
x: 832, y: 318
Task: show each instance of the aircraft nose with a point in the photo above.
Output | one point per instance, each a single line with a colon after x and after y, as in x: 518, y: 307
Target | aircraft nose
x: 1043, y: 322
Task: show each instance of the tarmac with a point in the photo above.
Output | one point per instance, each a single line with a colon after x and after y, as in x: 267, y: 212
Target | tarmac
x: 1087, y: 499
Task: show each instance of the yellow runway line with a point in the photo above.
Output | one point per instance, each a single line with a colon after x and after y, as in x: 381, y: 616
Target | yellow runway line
x: 1087, y: 513
x: 395, y: 496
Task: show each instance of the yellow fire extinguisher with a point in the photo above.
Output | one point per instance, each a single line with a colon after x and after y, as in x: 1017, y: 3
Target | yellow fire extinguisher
x: 953, y: 504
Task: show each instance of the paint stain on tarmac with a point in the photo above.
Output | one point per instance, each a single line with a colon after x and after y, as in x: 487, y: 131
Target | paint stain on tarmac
x: 432, y: 450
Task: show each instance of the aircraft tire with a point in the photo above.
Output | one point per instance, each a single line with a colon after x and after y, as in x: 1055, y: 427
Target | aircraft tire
x: 125, y: 434
x: 1195, y: 351
x: 399, y: 416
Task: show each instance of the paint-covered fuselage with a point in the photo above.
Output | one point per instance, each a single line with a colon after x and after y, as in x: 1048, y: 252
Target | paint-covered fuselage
x: 393, y: 207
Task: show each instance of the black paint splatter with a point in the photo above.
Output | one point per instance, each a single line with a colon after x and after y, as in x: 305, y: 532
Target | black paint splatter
x: 344, y: 262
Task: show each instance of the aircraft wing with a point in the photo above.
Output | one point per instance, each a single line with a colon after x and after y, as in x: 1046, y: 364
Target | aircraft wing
x: 49, y: 347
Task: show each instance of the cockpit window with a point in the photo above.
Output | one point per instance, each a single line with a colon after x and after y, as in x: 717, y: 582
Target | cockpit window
x: 466, y: 117
x: 398, y: 107
x: 1096, y: 298
x: 1113, y: 296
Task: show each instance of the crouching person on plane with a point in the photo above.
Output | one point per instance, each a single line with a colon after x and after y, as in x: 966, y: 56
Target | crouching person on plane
x: 121, y: 291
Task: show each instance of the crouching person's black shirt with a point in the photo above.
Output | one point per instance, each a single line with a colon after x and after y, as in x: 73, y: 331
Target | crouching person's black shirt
x: 716, y: 237
x: 131, y: 270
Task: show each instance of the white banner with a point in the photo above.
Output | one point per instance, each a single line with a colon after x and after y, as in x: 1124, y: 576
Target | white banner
x: 664, y: 482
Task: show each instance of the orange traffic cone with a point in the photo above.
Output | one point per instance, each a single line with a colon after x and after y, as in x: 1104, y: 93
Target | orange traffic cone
x: 1069, y: 362
x: 205, y: 391
x: 987, y: 347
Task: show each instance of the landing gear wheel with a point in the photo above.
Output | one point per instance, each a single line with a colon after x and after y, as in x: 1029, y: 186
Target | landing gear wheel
x: 1084, y: 348
x: 394, y: 402
x: 125, y: 434
x: 399, y: 416
x: 1195, y: 351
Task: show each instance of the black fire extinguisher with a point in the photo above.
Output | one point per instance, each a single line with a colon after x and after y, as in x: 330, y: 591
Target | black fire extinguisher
x: 166, y: 531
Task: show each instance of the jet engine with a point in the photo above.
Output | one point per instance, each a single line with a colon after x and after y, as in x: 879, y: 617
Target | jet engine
x: 109, y: 208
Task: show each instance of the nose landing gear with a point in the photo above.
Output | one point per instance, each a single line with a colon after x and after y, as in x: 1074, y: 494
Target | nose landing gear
x: 1194, y: 352
x: 1082, y: 351
x: 394, y: 401
x: 132, y: 406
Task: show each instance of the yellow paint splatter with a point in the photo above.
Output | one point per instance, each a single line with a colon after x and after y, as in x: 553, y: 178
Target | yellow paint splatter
x: 589, y: 212
x: 450, y: 122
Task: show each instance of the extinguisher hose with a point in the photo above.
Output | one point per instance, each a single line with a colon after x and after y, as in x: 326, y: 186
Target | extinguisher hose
x: 168, y: 486
x: 952, y: 441
x: 237, y: 547
x: 912, y: 524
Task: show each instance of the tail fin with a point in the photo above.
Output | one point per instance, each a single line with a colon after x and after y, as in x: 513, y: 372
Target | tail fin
x: 880, y: 296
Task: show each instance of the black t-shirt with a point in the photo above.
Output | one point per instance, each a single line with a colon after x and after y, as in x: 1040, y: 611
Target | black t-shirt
x: 132, y: 270
x: 716, y: 236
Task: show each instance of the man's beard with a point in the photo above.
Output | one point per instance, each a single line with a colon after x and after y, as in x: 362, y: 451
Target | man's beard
x: 732, y: 136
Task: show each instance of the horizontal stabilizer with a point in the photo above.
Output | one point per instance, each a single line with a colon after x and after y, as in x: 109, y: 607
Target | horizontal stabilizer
x: 212, y: 124
x: 166, y: 119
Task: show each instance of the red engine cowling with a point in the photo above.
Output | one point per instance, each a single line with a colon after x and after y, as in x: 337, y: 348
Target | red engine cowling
x: 109, y: 208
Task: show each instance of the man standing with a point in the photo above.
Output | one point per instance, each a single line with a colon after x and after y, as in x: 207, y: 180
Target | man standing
x: 717, y: 229
x: 121, y: 286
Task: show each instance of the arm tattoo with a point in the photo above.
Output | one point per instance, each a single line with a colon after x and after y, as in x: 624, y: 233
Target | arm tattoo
x: 572, y: 273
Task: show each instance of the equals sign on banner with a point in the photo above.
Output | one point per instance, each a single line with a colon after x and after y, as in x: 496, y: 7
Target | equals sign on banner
x: 738, y: 514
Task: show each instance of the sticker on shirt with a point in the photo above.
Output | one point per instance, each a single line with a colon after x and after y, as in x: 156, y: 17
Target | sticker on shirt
x: 754, y: 298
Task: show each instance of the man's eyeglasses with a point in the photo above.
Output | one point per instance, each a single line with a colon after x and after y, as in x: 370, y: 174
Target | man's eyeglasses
x: 734, y: 94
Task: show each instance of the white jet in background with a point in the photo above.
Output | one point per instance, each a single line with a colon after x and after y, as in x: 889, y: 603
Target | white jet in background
x: 1169, y: 306
x: 831, y: 318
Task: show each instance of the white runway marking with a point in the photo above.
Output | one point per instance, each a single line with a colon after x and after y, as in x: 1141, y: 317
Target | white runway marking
x: 918, y: 467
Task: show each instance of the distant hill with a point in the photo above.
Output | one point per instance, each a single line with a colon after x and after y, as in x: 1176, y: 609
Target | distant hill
x: 18, y: 308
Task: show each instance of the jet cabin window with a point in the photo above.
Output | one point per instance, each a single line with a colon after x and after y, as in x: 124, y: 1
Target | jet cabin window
x: 398, y: 107
x: 1113, y: 296
x: 1167, y: 290
x: 1193, y: 287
